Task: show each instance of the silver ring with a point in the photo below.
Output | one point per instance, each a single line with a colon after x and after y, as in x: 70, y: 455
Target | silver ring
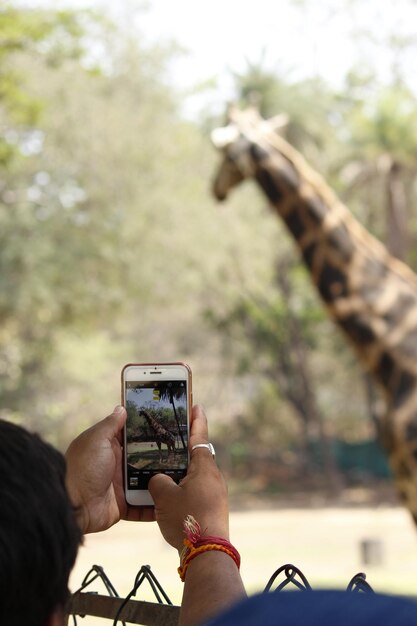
x: 209, y: 447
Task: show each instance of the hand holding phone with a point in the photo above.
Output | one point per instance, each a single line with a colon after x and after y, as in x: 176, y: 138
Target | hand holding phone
x: 157, y: 398
x: 95, y: 479
x: 202, y: 492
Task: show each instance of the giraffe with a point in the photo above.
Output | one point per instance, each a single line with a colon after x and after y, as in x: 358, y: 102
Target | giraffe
x: 371, y: 295
x: 162, y: 435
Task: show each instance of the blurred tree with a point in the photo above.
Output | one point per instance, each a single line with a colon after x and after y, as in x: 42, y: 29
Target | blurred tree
x: 310, y: 105
x: 279, y: 328
x: 273, y: 334
x: 383, y: 149
x: 375, y: 113
x: 54, y: 35
x: 171, y: 395
x: 28, y: 305
x: 69, y: 250
x: 110, y: 245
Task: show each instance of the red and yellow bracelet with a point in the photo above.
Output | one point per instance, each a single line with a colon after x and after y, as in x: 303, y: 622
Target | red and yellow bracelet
x: 195, y: 544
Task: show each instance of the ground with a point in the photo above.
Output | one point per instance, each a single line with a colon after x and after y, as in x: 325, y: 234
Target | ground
x: 324, y: 542
x: 145, y: 455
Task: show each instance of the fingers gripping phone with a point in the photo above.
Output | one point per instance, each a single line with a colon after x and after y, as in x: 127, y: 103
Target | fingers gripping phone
x: 157, y: 398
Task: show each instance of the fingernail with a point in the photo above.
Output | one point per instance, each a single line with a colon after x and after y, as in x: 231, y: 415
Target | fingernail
x: 118, y: 410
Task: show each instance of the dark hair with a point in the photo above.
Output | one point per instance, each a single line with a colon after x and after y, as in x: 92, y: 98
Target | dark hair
x: 39, y: 536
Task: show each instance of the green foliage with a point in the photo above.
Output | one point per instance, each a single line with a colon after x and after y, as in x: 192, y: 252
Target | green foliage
x: 269, y: 423
x: 387, y: 123
x: 56, y: 36
x: 262, y: 323
x: 131, y: 410
x: 70, y: 251
x: 111, y: 248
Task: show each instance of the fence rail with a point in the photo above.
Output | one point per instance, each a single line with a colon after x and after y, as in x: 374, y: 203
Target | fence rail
x: 132, y: 611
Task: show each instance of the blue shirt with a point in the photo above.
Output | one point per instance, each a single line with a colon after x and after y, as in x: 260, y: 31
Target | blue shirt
x: 320, y: 608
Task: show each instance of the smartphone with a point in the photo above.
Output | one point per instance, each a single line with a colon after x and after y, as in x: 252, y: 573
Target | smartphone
x: 158, y: 401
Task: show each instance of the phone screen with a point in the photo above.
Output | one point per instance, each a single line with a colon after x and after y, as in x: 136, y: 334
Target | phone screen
x: 156, y: 431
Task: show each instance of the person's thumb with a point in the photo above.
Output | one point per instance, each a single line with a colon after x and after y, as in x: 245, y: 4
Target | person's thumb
x: 112, y: 425
x: 119, y: 414
x: 162, y: 488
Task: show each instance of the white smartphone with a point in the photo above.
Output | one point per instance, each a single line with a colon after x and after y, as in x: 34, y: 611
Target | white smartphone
x: 158, y: 401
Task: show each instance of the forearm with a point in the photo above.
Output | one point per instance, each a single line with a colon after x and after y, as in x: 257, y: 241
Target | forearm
x: 212, y: 583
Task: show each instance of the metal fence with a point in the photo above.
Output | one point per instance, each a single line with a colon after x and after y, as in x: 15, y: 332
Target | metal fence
x: 162, y: 612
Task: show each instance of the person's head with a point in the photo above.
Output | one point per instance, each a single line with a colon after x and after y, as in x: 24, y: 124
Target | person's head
x: 39, y: 536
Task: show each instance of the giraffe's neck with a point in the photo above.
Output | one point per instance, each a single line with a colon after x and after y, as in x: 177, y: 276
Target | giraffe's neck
x: 371, y: 295
x: 152, y: 423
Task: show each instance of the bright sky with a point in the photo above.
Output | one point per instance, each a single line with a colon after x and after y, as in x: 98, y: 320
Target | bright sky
x: 220, y: 35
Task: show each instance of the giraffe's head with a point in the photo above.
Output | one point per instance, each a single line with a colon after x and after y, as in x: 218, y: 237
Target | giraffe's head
x: 237, y: 141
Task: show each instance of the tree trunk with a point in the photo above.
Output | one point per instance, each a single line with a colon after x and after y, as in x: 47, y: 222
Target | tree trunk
x: 171, y: 397
x: 398, y: 242
x: 307, y: 406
